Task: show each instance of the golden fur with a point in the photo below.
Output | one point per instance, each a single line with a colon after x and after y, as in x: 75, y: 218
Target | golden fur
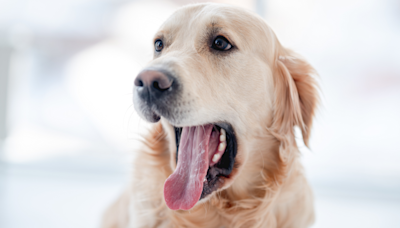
x: 264, y: 90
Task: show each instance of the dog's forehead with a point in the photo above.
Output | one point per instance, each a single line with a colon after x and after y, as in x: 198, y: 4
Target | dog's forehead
x: 200, y: 17
x: 195, y: 24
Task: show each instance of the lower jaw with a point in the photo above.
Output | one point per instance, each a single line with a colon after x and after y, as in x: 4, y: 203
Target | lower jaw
x: 212, y: 183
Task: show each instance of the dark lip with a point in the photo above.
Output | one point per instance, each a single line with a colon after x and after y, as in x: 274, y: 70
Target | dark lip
x: 216, y: 174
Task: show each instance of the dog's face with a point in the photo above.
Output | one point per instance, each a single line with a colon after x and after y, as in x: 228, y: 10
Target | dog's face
x: 212, y: 84
x: 219, y: 59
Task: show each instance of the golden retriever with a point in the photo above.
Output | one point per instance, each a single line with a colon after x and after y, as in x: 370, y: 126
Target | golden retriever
x: 225, y: 97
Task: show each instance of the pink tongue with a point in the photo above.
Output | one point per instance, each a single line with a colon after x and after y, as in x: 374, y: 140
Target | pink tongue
x: 183, y: 188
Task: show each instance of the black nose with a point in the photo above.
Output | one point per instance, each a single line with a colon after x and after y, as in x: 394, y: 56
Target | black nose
x: 153, y: 84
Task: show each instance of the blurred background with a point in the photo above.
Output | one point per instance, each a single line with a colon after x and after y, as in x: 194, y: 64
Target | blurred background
x: 68, y: 129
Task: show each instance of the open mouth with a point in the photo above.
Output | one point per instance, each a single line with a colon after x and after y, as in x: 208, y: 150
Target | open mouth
x: 205, y: 157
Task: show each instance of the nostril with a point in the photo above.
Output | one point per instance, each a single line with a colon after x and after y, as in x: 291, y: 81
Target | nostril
x: 138, y: 82
x: 159, y: 87
x: 156, y: 85
x: 162, y: 84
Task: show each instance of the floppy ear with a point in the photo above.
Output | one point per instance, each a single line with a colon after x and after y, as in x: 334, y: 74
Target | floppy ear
x: 296, y: 95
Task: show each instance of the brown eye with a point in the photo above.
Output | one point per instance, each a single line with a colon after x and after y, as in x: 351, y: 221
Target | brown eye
x: 221, y: 44
x: 158, y: 45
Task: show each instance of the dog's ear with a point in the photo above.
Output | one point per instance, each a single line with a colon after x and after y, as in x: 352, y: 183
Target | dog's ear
x: 296, y: 94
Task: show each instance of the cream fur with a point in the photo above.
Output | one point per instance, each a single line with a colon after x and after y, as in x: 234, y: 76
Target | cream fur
x: 264, y: 91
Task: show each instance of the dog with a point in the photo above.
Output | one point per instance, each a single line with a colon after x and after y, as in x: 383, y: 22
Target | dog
x: 225, y: 98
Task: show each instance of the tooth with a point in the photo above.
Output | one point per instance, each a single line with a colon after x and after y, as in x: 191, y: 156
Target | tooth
x: 222, y: 138
x: 222, y: 146
x: 222, y: 135
x: 216, y: 157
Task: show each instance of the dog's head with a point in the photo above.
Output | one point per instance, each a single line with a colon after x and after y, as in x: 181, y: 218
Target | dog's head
x: 225, y: 91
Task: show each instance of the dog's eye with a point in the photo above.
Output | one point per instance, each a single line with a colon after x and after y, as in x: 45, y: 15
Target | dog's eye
x: 221, y: 44
x: 158, y: 45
